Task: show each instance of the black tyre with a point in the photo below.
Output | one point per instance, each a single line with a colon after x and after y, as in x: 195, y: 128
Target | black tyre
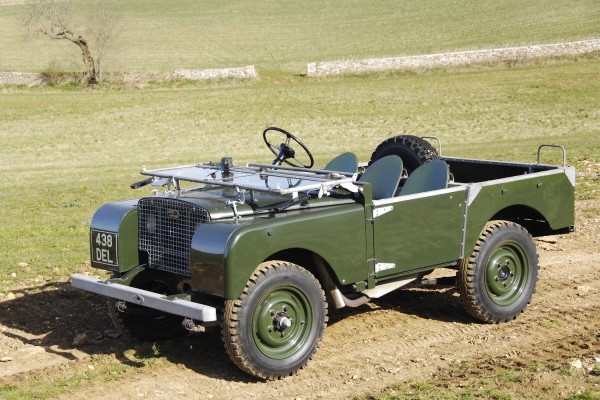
x: 413, y: 151
x: 143, y: 323
x: 276, y: 325
x: 497, y: 281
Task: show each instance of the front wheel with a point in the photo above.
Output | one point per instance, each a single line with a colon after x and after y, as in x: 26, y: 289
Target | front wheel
x: 276, y: 325
x: 142, y: 323
x: 497, y: 281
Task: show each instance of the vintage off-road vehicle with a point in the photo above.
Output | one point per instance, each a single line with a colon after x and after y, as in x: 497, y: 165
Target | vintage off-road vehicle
x: 263, y: 250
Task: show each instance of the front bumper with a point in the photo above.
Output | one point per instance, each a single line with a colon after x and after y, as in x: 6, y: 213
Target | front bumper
x: 169, y: 304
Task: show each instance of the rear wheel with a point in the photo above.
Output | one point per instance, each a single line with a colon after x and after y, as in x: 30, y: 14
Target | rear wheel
x: 276, y: 325
x: 413, y: 151
x: 498, y: 280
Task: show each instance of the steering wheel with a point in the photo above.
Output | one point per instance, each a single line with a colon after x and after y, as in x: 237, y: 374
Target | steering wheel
x: 284, y: 152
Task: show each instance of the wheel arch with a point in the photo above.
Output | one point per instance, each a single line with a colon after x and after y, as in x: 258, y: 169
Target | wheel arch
x: 335, y: 234
x: 311, y: 261
x: 529, y: 218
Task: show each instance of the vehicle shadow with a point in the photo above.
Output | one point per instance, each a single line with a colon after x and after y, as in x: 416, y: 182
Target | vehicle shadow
x: 430, y: 302
x: 53, y: 315
x: 441, y: 303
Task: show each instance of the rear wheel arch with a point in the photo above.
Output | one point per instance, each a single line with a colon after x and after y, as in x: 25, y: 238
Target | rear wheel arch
x: 529, y: 218
x: 532, y: 220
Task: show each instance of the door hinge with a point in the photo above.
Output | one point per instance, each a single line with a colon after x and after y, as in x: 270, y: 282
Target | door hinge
x: 384, y: 266
x: 377, y: 212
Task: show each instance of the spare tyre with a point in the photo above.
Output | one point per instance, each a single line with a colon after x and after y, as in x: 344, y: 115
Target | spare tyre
x: 413, y: 151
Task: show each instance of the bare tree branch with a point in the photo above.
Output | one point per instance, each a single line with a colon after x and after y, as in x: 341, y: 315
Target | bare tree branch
x: 57, y: 20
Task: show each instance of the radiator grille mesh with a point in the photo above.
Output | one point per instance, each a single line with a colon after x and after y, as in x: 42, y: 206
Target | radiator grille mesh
x: 166, y: 227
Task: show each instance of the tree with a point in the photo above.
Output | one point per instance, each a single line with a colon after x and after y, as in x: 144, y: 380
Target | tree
x: 93, y: 34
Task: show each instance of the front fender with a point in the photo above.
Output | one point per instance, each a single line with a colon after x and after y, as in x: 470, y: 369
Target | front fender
x: 224, y: 255
x: 121, y: 219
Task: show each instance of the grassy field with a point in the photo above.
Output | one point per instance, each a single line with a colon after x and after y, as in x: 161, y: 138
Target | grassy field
x: 67, y: 151
x: 283, y: 36
x: 64, y: 151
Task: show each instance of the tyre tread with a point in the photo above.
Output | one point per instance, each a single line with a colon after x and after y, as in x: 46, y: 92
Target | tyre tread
x: 233, y: 310
x: 422, y: 149
x: 469, y: 292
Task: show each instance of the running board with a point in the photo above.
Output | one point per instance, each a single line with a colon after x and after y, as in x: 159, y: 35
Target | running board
x: 386, y: 288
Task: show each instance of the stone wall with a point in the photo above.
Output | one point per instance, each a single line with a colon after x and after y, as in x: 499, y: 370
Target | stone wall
x: 247, y: 72
x: 21, y: 78
x: 427, y: 61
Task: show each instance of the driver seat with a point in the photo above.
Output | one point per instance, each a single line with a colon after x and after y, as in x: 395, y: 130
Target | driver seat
x: 384, y: 176
x: 345, y: 162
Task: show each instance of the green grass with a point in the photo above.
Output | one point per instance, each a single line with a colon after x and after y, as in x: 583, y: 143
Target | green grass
x: 284, y: 36
x: 98, y: 369
x: 66, y: 152
x: 418, y: 390
x: 587, y: 395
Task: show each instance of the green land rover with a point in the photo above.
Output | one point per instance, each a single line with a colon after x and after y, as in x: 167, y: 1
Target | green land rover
x: 264, y: 250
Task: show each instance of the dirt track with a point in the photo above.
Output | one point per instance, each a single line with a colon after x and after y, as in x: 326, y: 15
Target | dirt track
x: 413, y: 334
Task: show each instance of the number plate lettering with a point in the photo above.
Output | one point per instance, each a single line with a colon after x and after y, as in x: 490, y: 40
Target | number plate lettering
x: 104, y: 247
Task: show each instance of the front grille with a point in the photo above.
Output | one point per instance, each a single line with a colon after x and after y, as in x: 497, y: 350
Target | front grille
x: 166, y: 228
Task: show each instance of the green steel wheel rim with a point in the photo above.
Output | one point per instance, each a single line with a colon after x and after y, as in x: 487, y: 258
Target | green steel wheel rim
x: 506, y: 273
x: 282, y: 322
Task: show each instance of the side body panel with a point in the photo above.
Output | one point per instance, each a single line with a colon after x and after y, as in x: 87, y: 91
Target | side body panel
x: 418, y: 231
x: 550, y: 194
x: 225, y: 254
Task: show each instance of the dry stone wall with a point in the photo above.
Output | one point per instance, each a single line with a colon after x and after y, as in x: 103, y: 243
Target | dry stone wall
x: 247, y: 72
x: 420, y: 62
x: 349, y: 67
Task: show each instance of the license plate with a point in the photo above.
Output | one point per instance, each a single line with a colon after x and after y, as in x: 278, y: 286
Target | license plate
x: 104, y: 248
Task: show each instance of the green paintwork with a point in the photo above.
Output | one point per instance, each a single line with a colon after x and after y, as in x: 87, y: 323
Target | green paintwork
x: 362, y: 242
x: 207, y: 257
x: 229, y: 252
x: 551, y: 195
x: 506, y: 273
x: 420, y: 231
x: 282, y: 302
x: 130, y: 275
x: 121, y: 218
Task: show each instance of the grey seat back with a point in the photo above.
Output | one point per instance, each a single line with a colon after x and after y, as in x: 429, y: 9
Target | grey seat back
x: 384, y: 176
x: 345, y: 162
x: 432, y: 175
